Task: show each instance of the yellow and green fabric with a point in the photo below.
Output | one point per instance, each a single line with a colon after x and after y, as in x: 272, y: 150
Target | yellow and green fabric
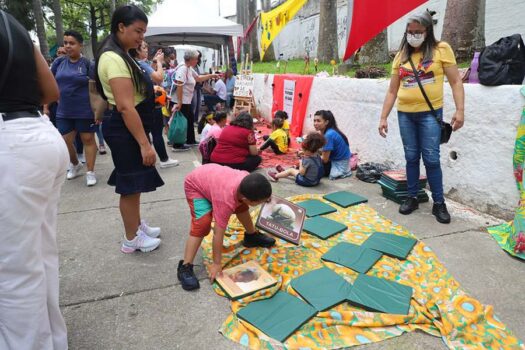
x: 511, y: 236
x: 438, y: 306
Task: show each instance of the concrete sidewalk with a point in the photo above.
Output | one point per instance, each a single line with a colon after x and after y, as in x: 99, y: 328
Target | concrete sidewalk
x: 115, y: 301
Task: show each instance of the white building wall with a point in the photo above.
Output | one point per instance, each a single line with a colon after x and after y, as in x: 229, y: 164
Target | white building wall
x: 503, y: 18
x: 481, y: 176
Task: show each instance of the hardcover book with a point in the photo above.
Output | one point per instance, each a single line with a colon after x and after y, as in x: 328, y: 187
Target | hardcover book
x: 283, y: 219
x: 245, y: 279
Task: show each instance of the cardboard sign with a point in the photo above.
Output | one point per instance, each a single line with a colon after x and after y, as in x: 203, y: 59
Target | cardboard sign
x: 283, y: 219
x: 243, y: 86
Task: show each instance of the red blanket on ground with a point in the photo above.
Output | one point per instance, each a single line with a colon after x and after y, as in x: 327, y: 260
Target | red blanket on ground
x: 270, y: 159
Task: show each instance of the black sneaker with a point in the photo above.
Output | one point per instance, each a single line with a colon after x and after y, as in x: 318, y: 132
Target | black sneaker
x: 180, y: 148
x: 187, y: 277
x: 257, y: 240
x: 439, y: 210
x: 409, y: 205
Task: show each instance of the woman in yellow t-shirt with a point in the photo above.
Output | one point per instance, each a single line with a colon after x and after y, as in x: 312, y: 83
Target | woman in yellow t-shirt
x: 129, y: 91
x: 420, y: 131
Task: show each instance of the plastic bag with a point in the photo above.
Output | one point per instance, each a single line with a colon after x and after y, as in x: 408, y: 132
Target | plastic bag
x: 178, y: 129
x: 370, y: 172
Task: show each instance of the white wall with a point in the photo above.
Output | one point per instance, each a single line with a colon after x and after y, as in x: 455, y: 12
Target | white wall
x: 502, y: 18
x: 482, y: 174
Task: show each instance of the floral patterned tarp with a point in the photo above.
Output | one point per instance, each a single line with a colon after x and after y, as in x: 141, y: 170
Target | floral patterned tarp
x: 511, y: 236
x: 439, y: 307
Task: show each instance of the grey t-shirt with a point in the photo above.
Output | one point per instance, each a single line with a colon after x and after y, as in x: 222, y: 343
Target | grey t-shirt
x: 314, y: 168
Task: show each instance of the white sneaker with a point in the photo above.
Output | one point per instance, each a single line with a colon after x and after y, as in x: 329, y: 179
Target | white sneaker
x: 91, y: 179
x: 152, y: 232
x: 169, y: 163
x: 74, y: 171
x: 141, y: 242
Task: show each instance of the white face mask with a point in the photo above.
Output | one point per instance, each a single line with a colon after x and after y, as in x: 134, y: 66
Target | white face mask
x: 415, y: 40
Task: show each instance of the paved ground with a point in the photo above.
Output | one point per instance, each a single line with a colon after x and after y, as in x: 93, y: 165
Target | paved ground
x: 116, y: 301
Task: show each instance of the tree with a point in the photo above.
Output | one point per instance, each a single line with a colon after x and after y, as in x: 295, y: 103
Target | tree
x: 40, y: 28
x: 376, y: 50
x: 327, y: 48
x: 270, y: 53
x: 19, y: 9
x: 252, y: 37
x: 59, y: 26
x: 464, y: 27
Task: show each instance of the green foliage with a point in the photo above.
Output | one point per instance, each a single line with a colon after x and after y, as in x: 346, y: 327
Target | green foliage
x: 297, y: 67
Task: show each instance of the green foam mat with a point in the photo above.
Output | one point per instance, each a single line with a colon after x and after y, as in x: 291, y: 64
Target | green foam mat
x: 277, y: 317
x: 355, y: 257
x: 315, y: 207
x: 345, y: 198
x: 390, y: 244
x: 322, y: 288
x: 322, y: 227
x: 378, y: 294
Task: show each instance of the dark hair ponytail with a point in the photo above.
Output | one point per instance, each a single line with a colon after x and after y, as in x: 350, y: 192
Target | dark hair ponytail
x: 127, y: 15
x: 332, y: 124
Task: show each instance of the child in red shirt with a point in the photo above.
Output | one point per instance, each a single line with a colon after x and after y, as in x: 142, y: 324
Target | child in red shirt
x: 215, y: 192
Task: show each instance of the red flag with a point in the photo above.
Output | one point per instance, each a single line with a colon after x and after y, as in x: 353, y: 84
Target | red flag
x: 370, y: 17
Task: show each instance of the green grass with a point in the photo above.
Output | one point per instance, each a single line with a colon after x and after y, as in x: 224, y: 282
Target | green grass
x: 297, y: 67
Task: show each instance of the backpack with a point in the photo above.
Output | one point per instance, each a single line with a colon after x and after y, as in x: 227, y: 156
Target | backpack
x: 503, y: 62
x: 206, y: 148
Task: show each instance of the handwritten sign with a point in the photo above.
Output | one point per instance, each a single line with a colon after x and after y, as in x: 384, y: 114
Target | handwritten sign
x: 243, y: 86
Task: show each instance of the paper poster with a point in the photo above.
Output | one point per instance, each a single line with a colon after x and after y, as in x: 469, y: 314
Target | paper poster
x: 243, y: 86
x: 288, y: 97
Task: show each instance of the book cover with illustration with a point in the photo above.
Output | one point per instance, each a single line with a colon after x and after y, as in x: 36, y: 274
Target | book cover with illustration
x: 245, y: 279
x: 283, y: 219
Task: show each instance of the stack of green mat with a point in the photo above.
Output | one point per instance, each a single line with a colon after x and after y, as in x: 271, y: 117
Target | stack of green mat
x: 394, y: 186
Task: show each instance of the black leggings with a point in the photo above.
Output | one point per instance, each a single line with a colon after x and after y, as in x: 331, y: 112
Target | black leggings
x: 156, y: 133
x: 250, y: 164
x: 270, y: 143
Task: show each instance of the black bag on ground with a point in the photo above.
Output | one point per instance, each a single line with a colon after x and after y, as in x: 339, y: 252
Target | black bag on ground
x: 370, y: 172
x: 503, y: 62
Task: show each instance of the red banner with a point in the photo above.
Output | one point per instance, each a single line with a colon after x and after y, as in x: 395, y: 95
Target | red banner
x: 369, y: 18
x: 298, y: 101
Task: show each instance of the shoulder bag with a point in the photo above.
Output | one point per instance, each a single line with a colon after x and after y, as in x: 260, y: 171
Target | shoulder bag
x: 446, y: 128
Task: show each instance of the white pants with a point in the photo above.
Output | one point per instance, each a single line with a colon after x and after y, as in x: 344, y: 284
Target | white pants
x: 33, y: 164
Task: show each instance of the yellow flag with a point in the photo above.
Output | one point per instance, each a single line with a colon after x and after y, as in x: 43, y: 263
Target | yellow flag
x: 274, y: 21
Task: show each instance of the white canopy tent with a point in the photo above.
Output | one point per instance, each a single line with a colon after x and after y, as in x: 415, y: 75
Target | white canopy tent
x: 167, y: 26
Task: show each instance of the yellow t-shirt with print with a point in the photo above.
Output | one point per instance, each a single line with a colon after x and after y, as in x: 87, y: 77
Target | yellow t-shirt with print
x: 280, y: 139
x: 432, y: 75
x: 286, y: 127
x: 111, y: 66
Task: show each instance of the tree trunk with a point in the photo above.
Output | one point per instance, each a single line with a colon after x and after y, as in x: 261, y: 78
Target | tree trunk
x: 270, y: 53
x: 112, y: 7
x: 59, y: 26
x: 327, y: 48
x: 461, y: 27
x: 241, y: 14
x: 376, y: 50
x: 252, y: 38
x: 93, y: 28
x: 40, y: 28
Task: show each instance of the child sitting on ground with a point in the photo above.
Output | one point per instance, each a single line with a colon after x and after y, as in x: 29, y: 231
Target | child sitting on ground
x: 286, y: 125
x: 311, y: 168
x: 215, y: 192
x: 277, y: 140
x: 205, y: 125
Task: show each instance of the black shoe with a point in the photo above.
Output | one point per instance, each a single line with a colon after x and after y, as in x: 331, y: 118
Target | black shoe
x: 439, y: 210
x: 257, y: 240
x: 187, y: 277
x: 409, y: 205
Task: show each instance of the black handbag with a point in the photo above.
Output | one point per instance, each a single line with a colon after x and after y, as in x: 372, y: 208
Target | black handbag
x: 446, y: 128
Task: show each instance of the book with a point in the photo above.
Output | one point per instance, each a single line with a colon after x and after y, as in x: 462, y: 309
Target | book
x: 245, y: 279
x: 400, y: 175
x: 282, y: 218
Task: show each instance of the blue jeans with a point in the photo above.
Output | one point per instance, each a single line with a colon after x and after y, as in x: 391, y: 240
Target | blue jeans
x: 421, y: 134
